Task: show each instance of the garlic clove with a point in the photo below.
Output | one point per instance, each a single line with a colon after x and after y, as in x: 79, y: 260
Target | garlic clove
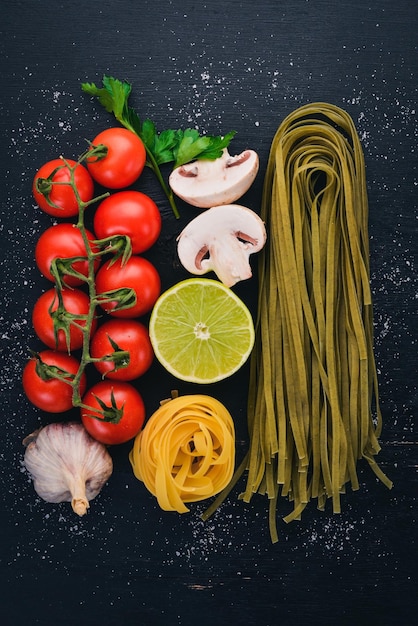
x: 67, y: 464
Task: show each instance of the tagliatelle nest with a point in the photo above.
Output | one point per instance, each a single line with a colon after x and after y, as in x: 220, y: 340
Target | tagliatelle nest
x: 186, y: 452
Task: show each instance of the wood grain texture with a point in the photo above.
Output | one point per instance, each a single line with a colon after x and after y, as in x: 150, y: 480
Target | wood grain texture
x: 217, y: 66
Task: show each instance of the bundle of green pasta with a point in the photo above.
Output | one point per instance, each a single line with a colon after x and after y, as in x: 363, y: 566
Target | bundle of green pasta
x: 313, y: 407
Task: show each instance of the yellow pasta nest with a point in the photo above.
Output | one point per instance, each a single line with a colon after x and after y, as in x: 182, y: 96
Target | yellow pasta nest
x: 186, y: 451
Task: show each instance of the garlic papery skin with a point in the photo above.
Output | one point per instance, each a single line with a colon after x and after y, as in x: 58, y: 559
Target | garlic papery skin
x: 67, y: 464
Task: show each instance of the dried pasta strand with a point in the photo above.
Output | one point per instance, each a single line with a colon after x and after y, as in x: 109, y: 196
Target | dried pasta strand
x: 313, y: 379
x: 186, y: 451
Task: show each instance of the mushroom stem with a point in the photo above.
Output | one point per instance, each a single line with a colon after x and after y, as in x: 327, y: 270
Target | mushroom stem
x: 229, y: 260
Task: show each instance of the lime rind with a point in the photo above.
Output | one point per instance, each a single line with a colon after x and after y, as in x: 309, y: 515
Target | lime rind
x: 227, y: 322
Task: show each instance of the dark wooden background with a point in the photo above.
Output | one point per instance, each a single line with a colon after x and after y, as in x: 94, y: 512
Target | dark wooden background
x: 218, y: 66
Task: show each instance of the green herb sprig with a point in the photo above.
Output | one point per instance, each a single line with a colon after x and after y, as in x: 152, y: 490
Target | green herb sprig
x: 169, y: 146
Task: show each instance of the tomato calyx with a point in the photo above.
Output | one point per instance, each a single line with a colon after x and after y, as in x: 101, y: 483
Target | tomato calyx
x: 120, y: 299
x: 63, y: 319
x: 96, y: 153
x: 60, y: 268
x: 44, y: 185
x: 119, y: 357
x: 111, y: 414
x: 119, y: 246
x: 48, y: 372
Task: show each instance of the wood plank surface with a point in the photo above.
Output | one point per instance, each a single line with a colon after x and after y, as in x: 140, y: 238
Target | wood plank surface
x: 216, y: 66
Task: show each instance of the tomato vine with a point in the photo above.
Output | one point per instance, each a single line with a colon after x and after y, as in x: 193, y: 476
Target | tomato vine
x: 119, y: 247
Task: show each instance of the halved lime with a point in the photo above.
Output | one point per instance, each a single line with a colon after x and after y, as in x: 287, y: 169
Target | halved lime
x: 201, y: 331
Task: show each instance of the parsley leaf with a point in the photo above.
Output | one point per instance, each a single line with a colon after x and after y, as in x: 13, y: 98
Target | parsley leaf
x: 193, y: 146
x: 113, y: 95
x: 169, y: 146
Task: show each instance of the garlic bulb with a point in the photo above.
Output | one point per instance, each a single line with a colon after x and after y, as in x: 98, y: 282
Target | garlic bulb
x: 67, y: 464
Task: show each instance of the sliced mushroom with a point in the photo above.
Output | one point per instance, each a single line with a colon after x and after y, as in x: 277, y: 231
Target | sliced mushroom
x: 221, y: 239
x: 205, y: 183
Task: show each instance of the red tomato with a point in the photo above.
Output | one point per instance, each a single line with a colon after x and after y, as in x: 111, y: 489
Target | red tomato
x: 76, y: 302
x: 131, y: 336
x: 62, y: 195
x: 137, y: 274
x: 124, y: 161
x: 129, y: 213
x: 126, y: 398
x: 63, y: 241
x: 51, y: 395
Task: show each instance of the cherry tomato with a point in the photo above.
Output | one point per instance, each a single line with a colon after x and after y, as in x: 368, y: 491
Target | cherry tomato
x: 62, y: 195
x: 51, y: 395
x: 131, y: 213
x: 63, y: 241
x: 124, y: 161
x: 76, y: 302
x: 137, y: 274
x: 126, y: 398
x: 130, y: 336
